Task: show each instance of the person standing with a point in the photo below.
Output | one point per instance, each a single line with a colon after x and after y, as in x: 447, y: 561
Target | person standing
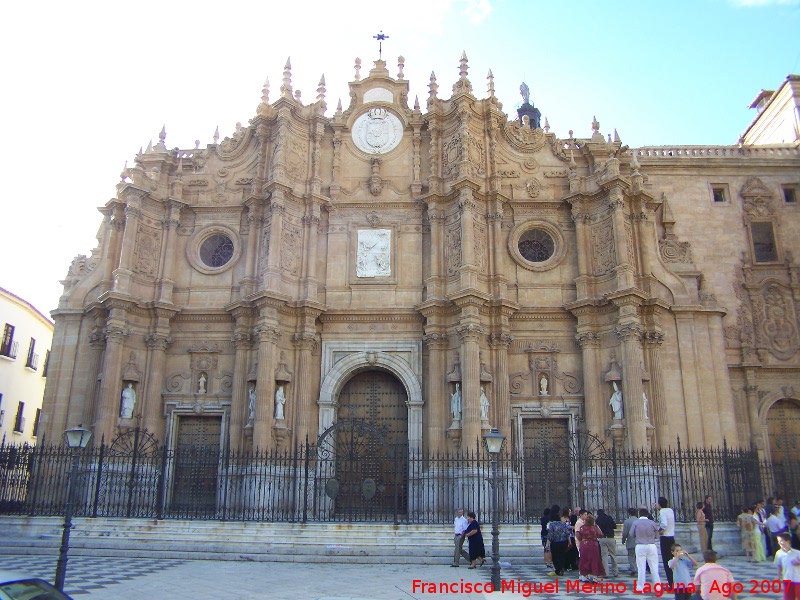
x: 701, y: 527
x: 680, y: 564
x: 630, y: 541
x: 475, y: 538
x: 646, y: 533
x: 787, y: 560
x: 558, y: 537
x: 590, y: 565
x: 775, y: 526
x: 608, y: 545
x: 708, y: 511
x: 459, y: 527
x: 712, y: 578
x: 666, y: 519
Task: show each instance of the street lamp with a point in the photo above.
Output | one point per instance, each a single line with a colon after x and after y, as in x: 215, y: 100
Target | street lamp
x: 76, y: 438
x: 493, y: 442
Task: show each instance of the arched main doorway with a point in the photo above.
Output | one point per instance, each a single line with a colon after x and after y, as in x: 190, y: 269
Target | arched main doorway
x: 368, y: 446
x: 783, y: 426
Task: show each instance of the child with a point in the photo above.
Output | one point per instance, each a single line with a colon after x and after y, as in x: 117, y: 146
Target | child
x: 681, y: 575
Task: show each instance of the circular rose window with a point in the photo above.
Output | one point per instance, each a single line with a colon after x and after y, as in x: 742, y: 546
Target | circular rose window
x: 536, y: 245
x: 213, y: 250
x: 216, y: 250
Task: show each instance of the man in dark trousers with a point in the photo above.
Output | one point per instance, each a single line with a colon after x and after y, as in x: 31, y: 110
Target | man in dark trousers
x: 608, y: 545
x: 709, y: 513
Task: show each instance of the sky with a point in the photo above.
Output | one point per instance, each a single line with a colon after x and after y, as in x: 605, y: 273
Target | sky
x: 89, y: 83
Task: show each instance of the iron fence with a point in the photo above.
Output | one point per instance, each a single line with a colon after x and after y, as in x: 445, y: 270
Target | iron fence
x: 305, y: 484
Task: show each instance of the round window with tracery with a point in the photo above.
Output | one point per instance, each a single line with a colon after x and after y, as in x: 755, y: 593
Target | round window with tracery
x: 536, y: 245
x: 216, y: 250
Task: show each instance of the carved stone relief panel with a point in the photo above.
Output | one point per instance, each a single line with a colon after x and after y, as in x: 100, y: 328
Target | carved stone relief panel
x: 147, y: 250
x: 291, y: 244
x: 481, y: 244
x: 264, y: 260
x: 673, y: 251
x: 296, y: 159
x: 453, y: 250
x: 629, y: 242
x: 776, y: 321
x: 373, y: 253
x: 604, y: 257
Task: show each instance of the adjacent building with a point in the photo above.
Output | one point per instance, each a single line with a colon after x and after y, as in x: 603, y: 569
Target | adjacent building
x: 24, y: 358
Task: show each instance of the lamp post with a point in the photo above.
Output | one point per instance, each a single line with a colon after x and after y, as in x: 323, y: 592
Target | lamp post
x: 77, y: 438
x: 494, y: 442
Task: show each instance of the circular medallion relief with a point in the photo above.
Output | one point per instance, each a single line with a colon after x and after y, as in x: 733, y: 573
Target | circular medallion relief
x: 536, y: 245
x: 377, y: 131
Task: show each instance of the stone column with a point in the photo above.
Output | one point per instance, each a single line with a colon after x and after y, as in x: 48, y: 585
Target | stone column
x: 97, y: 343
x: 111, y: 387
x: 151, y: 405
x: 470, y: 384
x: 310, y: 224
x: 630, y: 335
x: 727, y: 411
x: 268, y: 335
x: 665, y: 432
x: 438, y: 397
x: 751, y: 393
x: 434, y: 282
x: 502, y: 398
x: 468, y: 270
x: 272, y: 273
x: 689, y: 360
x: 240, y: 397
x: 584, y: 244
x: 122, y: 275
x: 595, y: 403
x: 305, y: 395
x: 254, y: 221
x: 170, y: 225
x: 624, y: 269
x: 112, y: 245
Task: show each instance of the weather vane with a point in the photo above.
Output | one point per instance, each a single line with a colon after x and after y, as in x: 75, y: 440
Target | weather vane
x: 380, y: 37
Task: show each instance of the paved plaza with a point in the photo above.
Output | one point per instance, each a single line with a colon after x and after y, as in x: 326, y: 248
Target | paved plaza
x: 107, y: 578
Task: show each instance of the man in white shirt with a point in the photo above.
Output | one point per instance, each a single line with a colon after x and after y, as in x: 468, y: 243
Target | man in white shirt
x: 459, y: 525
x: 788, y: 562
x: 666, y: 519
x: 775, y: 525
x: 646, y: 533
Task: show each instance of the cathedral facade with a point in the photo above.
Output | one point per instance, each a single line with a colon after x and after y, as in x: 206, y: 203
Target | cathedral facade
x: 435, y: 270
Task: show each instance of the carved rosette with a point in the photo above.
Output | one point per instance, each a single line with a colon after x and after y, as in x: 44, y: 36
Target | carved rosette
x: 673, y: 251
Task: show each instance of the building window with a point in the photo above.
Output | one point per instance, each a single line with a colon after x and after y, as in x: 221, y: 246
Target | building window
x: 46, y: 362
x: 216, y: 250
x: 36, y: 422
x: 536, y: 245
x: 719, y: 194
x: 789, y: 195
x: 8, y: 347
x: 764, y: 248
x: 19, y: 422
x: 33, y: 358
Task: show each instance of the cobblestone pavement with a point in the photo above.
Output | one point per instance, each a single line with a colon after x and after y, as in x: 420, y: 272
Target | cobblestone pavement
x: 106, y: 578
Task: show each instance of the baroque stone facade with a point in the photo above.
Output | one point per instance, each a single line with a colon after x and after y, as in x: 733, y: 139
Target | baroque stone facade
x: 504, y: 275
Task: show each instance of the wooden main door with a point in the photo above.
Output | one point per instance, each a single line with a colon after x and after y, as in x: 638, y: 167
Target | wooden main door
x: 197, y: 452
x: 370, y: 446
x: 545, y: 444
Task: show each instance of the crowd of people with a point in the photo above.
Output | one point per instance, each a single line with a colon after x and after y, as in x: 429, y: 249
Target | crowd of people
x: 577, y: 540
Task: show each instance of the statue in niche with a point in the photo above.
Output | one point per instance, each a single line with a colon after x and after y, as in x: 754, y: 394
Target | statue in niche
x: 616, y: 401
x: 543, y: 386
x: 201, y: 383
x: 128, y: 402
x: 646, y: 414
x: 252, y: 395
x: 280, y: 400
x: 484, y: 405
x: 455, y: 403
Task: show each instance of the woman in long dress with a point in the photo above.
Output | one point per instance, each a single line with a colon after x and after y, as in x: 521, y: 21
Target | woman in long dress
x: 590, y: 563
x: 475, y: 539
x: 700, y: 516
x: 755, y: 533
x: 746, y: 523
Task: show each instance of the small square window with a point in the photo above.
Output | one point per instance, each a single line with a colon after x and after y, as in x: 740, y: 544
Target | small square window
x: 719, y: 194
x: 789, y: 195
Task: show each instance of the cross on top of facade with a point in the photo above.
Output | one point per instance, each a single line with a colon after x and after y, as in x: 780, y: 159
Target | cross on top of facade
x: 380, y: 37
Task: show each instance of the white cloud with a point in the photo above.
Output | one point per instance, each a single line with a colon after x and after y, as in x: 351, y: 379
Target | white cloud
x: 476, y: 11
